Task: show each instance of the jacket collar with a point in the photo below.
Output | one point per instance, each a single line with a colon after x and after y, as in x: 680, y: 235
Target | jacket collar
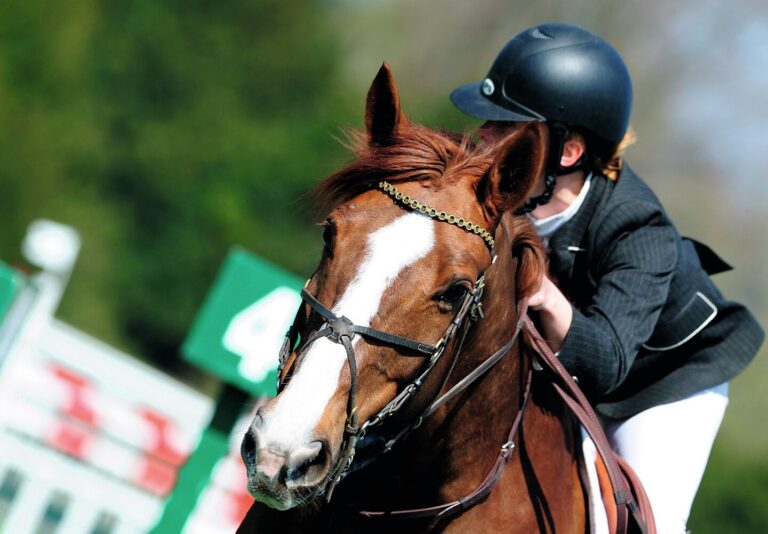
x: 568, y: 241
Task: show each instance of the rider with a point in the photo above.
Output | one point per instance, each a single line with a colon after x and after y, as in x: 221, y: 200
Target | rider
x: 628, y: 303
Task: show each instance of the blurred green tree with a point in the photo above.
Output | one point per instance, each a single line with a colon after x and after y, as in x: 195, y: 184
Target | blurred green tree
x: 165, y: 131
x: 216, y: 118
x: 732, y: 495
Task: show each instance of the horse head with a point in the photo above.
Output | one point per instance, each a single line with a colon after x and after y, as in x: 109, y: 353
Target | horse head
x: 406, y: 247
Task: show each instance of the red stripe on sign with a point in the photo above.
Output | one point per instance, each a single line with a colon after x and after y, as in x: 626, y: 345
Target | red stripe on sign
x: 162, y: 459
x: 156, y: 476
x: 71, y: 439
x: 78, y: 387
x: 74, y: 433
x: 161, y: 446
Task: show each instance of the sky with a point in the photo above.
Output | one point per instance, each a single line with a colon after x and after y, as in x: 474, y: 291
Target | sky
x: 721, y: 101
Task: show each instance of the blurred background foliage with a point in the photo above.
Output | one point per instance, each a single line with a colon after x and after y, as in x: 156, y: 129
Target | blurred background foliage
x: 168, y: 131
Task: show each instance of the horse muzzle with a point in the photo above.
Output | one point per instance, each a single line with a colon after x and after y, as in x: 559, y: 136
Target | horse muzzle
x: 280, y: 476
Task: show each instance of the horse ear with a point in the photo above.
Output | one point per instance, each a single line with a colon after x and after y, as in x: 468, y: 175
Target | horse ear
x: 383, y: 116
x: 518, y: 162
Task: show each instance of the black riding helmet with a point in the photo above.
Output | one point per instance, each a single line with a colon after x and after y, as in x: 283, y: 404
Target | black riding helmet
x: 561, y: 74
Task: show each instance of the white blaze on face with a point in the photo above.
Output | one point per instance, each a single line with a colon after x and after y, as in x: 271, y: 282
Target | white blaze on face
x: 389, y: 250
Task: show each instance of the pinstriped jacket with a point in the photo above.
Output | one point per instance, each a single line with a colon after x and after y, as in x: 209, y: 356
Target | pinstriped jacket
x: 649, y: 326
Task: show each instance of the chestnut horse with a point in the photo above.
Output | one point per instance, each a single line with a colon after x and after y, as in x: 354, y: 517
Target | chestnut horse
x: 390, y: 323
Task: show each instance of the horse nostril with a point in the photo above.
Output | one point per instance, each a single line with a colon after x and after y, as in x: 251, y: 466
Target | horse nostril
x: 248, y: 449
x: 308, y: 464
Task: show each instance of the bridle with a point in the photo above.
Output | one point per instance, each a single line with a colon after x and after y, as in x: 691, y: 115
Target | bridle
x: 341, y: 330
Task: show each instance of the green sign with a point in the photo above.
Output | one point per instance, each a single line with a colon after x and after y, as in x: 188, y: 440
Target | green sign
x: 239, y: 330
x: 11, y: 281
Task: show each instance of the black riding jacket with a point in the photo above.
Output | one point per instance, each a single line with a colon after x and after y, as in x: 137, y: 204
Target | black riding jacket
x: 649, y: 326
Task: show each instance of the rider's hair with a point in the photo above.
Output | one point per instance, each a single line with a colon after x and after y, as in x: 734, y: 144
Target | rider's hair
x: 606, y: 159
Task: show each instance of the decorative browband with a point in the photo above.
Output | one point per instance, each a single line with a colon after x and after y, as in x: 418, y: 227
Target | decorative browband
x: 414, y: 204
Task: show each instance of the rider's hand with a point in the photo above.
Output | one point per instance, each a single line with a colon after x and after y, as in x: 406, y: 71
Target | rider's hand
x: 543, y: 295
x: 554, y: 311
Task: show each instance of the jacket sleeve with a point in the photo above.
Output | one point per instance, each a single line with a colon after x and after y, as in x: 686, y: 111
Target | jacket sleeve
x: 635, y: 254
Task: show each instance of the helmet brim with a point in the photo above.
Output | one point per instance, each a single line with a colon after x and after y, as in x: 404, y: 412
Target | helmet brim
x: 469, y: 99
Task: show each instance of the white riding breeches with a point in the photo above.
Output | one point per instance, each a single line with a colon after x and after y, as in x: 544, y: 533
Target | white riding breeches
x: 668, y: 447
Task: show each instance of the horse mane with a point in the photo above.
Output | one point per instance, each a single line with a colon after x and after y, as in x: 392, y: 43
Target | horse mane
x: 529, y: 251
x: 415, y: 153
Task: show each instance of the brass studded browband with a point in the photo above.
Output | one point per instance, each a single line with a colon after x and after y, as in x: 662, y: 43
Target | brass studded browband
x: 434, y: 213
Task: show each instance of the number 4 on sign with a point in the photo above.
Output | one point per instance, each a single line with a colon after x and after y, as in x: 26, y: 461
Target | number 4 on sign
x: 256, y: 333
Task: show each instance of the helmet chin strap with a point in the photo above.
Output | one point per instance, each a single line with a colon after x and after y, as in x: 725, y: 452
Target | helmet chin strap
x: 532, y: 203
x: 558, y: 135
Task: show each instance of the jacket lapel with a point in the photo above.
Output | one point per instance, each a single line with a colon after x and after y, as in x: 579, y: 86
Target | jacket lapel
x: 569, y: 241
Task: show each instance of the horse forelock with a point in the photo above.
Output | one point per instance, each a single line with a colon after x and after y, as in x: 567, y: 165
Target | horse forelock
x: 417, y: 153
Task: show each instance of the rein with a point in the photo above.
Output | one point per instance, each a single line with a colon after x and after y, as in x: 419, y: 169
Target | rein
x: 442, y: 511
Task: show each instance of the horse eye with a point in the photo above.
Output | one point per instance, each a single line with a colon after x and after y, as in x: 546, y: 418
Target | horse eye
x: 329, y: 233
x: 454, y: 294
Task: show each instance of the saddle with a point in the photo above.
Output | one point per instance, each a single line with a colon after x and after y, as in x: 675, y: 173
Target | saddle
x: 626, y: 503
